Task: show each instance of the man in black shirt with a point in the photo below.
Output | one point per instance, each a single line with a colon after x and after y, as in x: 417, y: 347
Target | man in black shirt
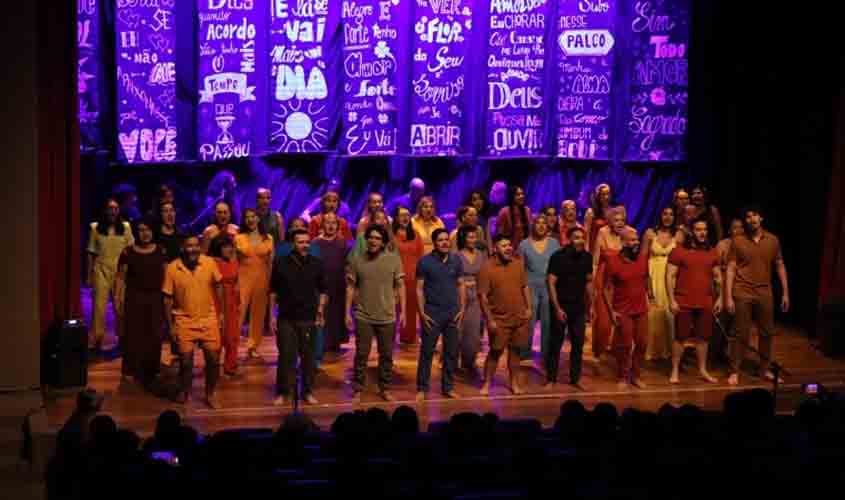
x: 298, y: 286
x: 167, y: 233
x: 570, y: 279
x: 169, y: 237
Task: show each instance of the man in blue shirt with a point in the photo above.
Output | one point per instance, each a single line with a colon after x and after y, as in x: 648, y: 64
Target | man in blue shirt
x: 440, y: 296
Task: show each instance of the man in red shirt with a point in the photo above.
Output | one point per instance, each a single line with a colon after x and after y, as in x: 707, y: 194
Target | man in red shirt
x: 693, y: 278
x: 626, y: 297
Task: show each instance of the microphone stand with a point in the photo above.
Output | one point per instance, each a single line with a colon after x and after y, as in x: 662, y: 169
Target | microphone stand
x: 772, y: 366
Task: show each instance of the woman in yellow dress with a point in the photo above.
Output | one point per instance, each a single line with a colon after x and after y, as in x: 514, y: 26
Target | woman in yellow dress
x: 661, y: 323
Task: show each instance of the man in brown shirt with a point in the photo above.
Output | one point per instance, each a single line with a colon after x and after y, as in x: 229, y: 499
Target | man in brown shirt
x: 748, y: 291
x: 506, y: 302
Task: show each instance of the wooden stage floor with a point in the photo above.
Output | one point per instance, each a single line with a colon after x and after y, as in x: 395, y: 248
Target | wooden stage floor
x: 247, y: 399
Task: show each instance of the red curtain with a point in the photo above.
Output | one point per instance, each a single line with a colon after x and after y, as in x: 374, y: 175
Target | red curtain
x: 832, y: 283
x: 58, y: 163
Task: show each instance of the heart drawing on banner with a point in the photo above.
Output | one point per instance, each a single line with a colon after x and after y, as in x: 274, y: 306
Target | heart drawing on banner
x: 159, y: 42
x: 129, y: 18
x: 129, y: 143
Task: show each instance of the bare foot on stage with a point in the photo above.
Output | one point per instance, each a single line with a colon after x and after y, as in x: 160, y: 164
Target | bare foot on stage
x: 674, y: 379
x: 709, y: 378
x: 733, y: 379
x: 485, y: 390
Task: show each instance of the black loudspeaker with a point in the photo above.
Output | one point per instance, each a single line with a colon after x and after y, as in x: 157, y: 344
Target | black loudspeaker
x: 831, y: 329
x: 65, y: 355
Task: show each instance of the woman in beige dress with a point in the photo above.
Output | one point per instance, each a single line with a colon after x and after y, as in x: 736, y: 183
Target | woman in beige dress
x: 661, y: 324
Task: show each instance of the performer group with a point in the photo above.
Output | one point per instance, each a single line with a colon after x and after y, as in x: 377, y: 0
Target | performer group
x: 398, y: 272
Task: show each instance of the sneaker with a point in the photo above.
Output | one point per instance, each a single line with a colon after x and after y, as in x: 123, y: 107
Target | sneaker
x: 310, y: 399
x: 451, y: 395
x: 280, y: 401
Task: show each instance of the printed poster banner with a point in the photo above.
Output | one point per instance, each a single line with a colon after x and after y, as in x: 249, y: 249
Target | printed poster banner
x: 585, y: 55
x: 146, y: 80
x: 300, y: 98
x: 442, y: 34
x: 370, y: 98
x: 657, y: 121
x: 229, y: 34
x: 516, y: 52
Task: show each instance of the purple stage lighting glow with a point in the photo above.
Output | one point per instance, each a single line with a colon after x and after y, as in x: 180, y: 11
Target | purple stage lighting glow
x: 146, y: 81
x: 230, y: 38
x: 657, y: 124
x: 585, y: 50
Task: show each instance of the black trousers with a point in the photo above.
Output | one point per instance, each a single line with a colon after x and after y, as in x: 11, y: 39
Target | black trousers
x: 575, y: 325
x: 295, y: 340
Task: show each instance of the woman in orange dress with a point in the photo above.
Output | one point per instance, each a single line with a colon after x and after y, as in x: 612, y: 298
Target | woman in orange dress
x: 410, y: 246
x: 608, y: 242
x: 223, y: 251
x: 255, y: 257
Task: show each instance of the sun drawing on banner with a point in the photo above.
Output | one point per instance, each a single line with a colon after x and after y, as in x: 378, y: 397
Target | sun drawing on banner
x: 296, y: 131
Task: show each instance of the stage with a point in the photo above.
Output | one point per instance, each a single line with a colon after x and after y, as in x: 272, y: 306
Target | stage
x: 247, y: 399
